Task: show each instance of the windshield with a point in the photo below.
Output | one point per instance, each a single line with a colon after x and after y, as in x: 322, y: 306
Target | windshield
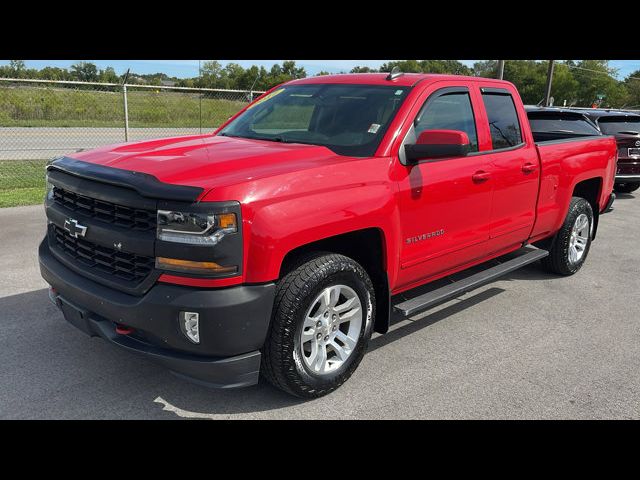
x: 617, y: 125
x: 348, y: 119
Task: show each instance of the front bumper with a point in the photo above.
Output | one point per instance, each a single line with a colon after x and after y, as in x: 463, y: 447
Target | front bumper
x: 233, y: 322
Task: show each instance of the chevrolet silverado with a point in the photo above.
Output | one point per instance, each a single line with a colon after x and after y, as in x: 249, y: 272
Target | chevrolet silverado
x: 277, y: 244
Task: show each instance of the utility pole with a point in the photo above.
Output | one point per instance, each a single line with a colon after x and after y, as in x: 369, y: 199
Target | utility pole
x: 200, y: 104
x: 500, y: 69
x: 126, y: 107
x: 547, y: 96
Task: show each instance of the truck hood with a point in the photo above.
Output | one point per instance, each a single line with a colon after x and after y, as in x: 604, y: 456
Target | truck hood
x: 209, y: 161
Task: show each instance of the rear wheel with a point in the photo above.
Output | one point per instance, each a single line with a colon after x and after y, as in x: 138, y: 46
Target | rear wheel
x: 571, y: 244
x: 626, y: 187
x: 321, y: 325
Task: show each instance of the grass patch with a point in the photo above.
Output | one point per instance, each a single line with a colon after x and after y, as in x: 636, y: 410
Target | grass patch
x: 21, y: 182
x: 68, y: 107
x: 21, y: 196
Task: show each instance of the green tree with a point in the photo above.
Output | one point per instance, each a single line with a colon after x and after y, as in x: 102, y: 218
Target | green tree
x: 84, y: 71
x: 16, y: 69
x: 595, y: 78
x: 17, y: 66
x: 212, y: 75
x: 632, y: 83
x: 486, y: 68
x: 359, y: 69
x: 289, y: 68
x: 452, y: 67
x: 321, y: 73
x: 108, y: 75
x: 405, y: 66
x: 564, y: 86
x: 54, y: 73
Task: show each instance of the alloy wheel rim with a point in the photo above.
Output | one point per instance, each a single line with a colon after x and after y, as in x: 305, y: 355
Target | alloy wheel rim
x: 579, y: 238
x: 331, y: 329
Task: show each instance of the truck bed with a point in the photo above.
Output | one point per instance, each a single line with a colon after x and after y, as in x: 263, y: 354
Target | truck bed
x: 564, y: 163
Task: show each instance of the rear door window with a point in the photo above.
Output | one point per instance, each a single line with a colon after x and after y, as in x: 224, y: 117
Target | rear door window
x: 503, y: 120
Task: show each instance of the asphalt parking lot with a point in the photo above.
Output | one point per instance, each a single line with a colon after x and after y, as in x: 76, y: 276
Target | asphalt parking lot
x: 529, y: 346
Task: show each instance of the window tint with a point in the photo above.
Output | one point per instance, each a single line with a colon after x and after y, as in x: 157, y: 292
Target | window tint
x: 503, y: 120
x: 348, y: 119
x: 284, y: 117
x: 613, y: 125
x: 451, y: 111
x: 561, y: 123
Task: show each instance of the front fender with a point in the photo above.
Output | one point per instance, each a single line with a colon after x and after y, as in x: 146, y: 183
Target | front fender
x: 285, y: 224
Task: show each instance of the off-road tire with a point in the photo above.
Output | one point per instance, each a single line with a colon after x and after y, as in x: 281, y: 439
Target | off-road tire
x: 282, y: 365
x: 558, y: 259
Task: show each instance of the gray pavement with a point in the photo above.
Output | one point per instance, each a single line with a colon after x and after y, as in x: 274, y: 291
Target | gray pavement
x: 23, y: 143
x: 528, y: 346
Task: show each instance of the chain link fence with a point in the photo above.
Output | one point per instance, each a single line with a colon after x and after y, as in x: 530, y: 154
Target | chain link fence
x: 41, y: 119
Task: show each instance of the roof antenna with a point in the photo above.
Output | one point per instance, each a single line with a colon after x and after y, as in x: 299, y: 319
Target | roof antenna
x: 395, y: 73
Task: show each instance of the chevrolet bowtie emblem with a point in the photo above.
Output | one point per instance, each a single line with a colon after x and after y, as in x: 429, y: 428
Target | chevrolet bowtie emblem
x: 74, y: 228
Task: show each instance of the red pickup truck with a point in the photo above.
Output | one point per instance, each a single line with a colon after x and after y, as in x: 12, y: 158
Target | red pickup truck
x: 279, y: 243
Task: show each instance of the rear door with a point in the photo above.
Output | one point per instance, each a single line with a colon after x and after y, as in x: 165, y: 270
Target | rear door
x: 444, y: 212
x: 515, y: 169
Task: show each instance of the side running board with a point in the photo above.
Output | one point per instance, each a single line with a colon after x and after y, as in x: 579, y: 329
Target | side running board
x: 440, y: 295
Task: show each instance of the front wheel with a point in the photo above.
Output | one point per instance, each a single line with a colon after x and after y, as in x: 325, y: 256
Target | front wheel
x: 571, y: 244
x: 321, y: 325
x: 626, y: 187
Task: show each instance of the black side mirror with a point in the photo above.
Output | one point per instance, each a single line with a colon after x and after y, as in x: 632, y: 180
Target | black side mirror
x: 438, y: 144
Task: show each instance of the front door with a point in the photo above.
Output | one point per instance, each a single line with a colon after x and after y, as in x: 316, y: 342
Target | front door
x: 444, y: 203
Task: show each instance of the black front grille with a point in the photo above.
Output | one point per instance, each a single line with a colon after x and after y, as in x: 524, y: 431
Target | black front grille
x: 125, y: 266
x: 127, y: 217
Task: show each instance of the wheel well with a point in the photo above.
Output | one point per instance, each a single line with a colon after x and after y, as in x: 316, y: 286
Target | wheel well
x: 590, y: 191
x: 365, y: 247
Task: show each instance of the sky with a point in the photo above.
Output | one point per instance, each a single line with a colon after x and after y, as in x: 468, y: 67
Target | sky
x: 189, y: 68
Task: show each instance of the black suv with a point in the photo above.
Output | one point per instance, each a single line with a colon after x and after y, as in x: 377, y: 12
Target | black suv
x: 625, y: 126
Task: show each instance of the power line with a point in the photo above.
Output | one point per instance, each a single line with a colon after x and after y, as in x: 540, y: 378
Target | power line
x: 597, y: 71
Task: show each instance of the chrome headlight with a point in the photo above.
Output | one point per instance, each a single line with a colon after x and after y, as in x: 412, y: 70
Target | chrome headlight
x: 185, y: 236
x: 195, y: 228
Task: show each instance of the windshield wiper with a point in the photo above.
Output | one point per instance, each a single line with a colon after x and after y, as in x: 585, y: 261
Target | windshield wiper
x: 270, y: 139
x: 629, y: 132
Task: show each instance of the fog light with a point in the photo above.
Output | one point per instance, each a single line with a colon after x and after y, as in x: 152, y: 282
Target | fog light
x: 189, y: 323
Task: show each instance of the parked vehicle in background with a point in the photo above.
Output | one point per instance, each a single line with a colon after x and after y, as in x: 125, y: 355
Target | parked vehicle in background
x: 278, y: 243
x: 625, y: 126
x: 551, y: 123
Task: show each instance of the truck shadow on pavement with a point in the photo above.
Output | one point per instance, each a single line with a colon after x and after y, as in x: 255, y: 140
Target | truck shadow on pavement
x: 49, y: 369
x: 55, y: 371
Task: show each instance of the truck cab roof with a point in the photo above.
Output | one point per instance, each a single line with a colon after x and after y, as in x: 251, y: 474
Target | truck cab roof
x: 403, y: 80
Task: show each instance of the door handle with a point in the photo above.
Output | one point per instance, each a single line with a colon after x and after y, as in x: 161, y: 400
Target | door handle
x: 480, y: 176
x: 529, y: 168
